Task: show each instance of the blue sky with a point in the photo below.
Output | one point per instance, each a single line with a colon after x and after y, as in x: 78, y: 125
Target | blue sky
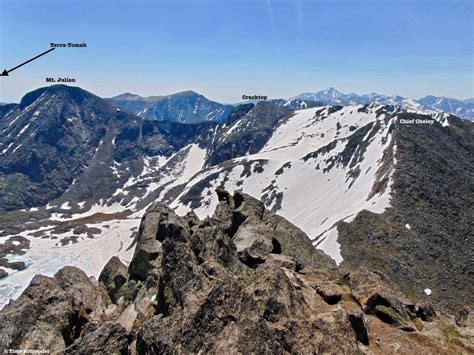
x: 226, y: 48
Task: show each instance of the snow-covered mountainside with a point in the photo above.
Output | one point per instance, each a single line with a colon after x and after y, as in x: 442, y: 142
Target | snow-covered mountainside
x: 331, y: 96
x: 60, y: 135
x: 319, y: 167
x: 460, y: 108
x: 183, y: 107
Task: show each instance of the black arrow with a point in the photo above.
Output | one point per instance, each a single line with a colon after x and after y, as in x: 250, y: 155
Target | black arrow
x: 6, y: 72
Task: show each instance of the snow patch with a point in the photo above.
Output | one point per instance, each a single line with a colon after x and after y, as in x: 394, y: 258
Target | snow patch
x: 65, y: 206
x: 46, y: 257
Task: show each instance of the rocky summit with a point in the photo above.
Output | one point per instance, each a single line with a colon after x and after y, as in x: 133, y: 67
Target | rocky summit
x: 244, y: 280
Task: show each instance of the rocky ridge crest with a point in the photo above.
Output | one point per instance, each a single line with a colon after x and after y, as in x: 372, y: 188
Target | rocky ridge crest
x: 242, y: 281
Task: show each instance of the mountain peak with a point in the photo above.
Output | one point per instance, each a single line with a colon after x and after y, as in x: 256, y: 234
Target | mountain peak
x: 187, y: 93
x: 184, y: 107
x: 73, y: 92
x: 126, y: 95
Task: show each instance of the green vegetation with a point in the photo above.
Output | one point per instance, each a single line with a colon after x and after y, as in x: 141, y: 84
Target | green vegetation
x: 387, y: 313
x: 449, y: 331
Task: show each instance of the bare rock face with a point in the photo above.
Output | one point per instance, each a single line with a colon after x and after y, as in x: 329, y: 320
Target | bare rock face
x: 241, y: 281
x: 51, y: 312
x: 109, y: 338
x: 44, y: 309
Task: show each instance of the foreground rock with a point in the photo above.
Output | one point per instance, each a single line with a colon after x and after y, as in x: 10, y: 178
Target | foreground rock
x: 242, y: 281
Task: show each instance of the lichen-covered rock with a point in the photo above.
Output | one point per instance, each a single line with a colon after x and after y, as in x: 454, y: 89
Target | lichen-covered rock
x: 148, y: 246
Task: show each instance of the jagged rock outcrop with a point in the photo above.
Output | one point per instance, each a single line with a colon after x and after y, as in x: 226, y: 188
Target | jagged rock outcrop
x: 53, y: 311
x: 242, y: 281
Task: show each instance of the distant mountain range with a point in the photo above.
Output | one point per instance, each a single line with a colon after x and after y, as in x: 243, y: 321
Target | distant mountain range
x: 183, y: 107
x: 331, y: 96
x: 191, y: 107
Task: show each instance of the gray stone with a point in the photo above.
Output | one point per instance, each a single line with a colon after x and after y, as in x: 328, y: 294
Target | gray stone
x: 114, y: 276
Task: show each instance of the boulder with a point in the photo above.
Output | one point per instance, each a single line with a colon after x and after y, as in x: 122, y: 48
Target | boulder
x: 114, y: 276
x: 88, y: 300
x: 359, y: 324
x: 426, y: 312
x: 331, y: 292
x: 109, y: 338
x: 39, y: 318
x: 379, y: 297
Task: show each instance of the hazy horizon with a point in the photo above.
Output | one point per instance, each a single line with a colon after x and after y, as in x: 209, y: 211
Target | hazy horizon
x: 276, y: 48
